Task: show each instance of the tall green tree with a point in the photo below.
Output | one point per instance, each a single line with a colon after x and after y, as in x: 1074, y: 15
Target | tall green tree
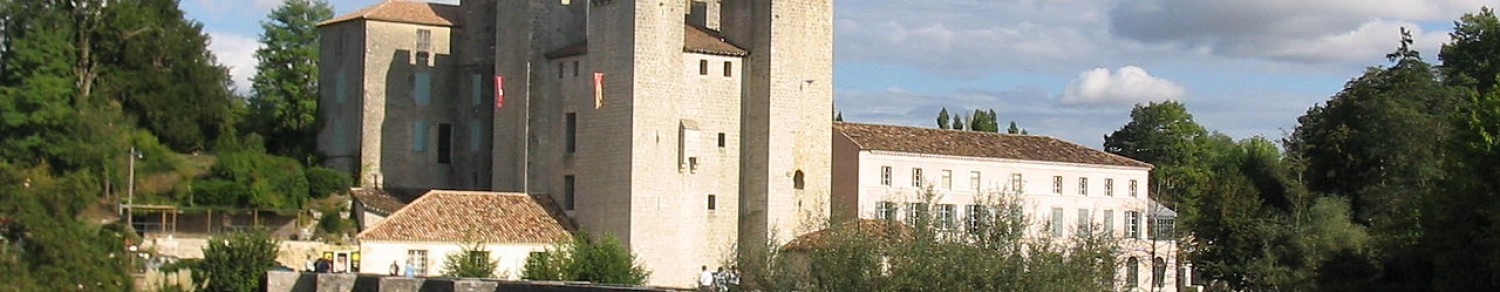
x: 1469, y: 57
x: 942, y: 119
x: 1165, y: 135
x: 1461, y: 218
x: 164, y: 76
x: 285, y: 99
x: 1380, y: 143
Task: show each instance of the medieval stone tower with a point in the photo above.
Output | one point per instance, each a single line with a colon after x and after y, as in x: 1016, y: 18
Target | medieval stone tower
x: 686, y: 128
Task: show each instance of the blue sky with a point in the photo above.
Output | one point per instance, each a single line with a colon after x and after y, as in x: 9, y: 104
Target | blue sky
x: 1065, y: 68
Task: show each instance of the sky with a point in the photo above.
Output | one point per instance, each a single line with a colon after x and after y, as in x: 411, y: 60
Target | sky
x: 1072, y: 69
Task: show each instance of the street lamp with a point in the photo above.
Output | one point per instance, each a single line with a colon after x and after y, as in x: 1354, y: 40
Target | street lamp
x: 130, y: 190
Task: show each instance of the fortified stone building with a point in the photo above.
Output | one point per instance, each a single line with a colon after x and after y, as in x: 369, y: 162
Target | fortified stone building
x: 683, y: 127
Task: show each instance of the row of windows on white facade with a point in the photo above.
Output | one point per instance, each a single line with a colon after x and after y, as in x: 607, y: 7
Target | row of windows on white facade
x: 1016, y: 183
x: 977, y: 216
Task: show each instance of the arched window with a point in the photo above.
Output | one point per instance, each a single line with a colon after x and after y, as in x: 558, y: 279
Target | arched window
x: 1159, y: 272
x: 1132, y: 272
x: 797, y: 181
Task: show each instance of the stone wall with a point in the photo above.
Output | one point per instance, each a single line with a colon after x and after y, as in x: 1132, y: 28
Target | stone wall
x: 308, y: 282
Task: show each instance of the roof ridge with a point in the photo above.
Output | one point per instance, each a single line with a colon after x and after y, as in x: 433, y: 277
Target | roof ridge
x: 393, y: 214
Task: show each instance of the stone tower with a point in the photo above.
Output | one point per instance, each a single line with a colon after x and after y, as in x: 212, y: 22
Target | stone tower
x: 787, y: 108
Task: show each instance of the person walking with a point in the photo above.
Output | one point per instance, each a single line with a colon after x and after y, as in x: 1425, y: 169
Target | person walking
x: 705, y: 280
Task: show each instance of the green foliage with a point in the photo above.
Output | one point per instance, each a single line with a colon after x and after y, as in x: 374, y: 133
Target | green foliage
x: 236, y: 261
x: 285, y: 103
x: 872, y: 255
x: 984, y: 121
x: 587, y: 258
x: 471, y: 261
x: 44, y: 246
x: 322, y: 181
x: 1469, y: 59
x: 942, y: 119
x: 254, y: 179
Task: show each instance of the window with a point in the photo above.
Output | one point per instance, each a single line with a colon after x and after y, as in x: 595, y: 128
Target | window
x: 418, y: 260
x: 702, y: 67
x: 1132, y: 224
x: 885, y: 175
x: 914, y: 212
x: 974, y: 180
x: 712, y: 204
x: 1132, y: 272
x: 445, y: 144
x: 569, y: 193
x: 885, y: 211
x: 945, y: 216
x: 976, y: 219
x: 476, y: 135
x: 476, y: 89
x: 1132, y: 188
x: 1016, y: 183
x: 1084, y: 226
x: 1109, y: 187
x: 1056, y: 224
x: 575, y: 68
x: 1057, y: 184
x: 1161, y: 228
x: 424, y: 40
x: 1109, y: 223
x: 728, y: 69
x: 947, y: 179
x: 571, y: 125
x: 798, y: 182
x: 721, y: 140
x: 1083, y: 186
x: 916, y: 177
x: 1159, y: 272
x: 419, y: 136
x: 421, y: 89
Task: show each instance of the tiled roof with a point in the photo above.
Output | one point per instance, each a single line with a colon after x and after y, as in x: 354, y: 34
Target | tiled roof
x: 694, y: 40
x: 385, y: 201
x: 458, y: 216
x: 885, y: 230
x: 702, y: 40
x: 406, y: 11
x: 976, y: 144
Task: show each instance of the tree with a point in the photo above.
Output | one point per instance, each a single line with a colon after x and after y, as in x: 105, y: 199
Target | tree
x: 237, y: 261
x: 1014, y: 129
x: 942, y: 119
x: 1469, y: 60
x: 587, y: 258
x: 285, y: 100
x: 838, y: 117
x: 471, y: 261
x: 958, y: 122
x: 1165, y: 135
x: 984, y: 121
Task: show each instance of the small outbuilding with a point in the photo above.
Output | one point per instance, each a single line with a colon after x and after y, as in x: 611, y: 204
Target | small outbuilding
x: 510, y: 226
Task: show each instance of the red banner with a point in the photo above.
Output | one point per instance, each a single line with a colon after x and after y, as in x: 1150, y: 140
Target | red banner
x: 499, y: 91
x: 598, y: 90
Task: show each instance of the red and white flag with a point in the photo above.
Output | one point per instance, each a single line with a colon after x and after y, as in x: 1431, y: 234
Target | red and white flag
x: 499, y: 91
x: 598, y: 90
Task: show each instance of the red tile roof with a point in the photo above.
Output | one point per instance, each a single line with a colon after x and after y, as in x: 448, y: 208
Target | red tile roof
x: 405, y: 11
x: 459, y: 216
x: 385, y: 201
x: 694, y: 40
x: 976, y: 144
x: 885, y: 230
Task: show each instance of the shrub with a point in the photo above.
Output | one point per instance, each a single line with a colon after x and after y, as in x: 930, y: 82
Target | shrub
x: 586, y: 258
x: 236, y: 261
x: 322, y: 181
x: 272, y: 181
x: 471, y: 261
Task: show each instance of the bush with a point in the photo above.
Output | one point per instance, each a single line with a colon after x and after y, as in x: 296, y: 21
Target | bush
x: 220, y: 192
x: 585, y: 258
x: 236, y: 262
x: 471, y: 261
x: 272, y: 181
x: 322, y: 181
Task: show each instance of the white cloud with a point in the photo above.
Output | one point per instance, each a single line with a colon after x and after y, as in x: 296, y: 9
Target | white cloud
x: 1322, y: 31
x: 1127, y: 85
x: 238, y: 53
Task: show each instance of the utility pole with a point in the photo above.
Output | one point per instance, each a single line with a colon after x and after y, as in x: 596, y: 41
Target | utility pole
x: 129, y: 204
